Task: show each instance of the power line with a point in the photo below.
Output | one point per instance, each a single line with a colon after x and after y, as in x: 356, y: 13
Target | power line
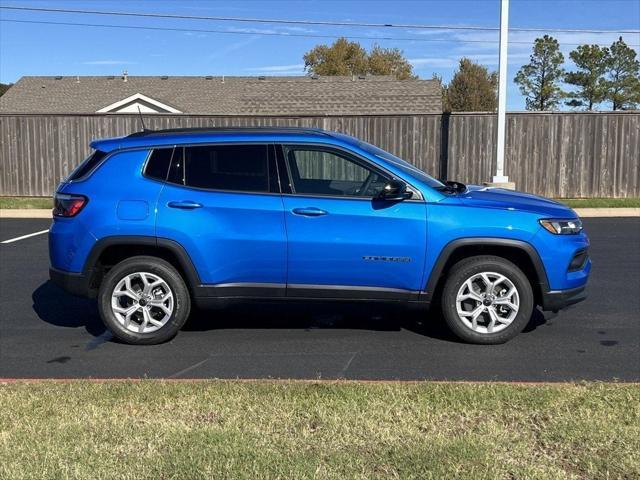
x: 309, y: 22
x: 278, y: 34
x: 236, y: 32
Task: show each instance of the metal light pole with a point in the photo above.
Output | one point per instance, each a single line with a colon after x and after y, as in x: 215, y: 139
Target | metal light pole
x: 500, y: 177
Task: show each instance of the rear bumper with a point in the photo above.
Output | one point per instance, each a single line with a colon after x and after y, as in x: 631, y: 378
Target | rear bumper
x: 555, y: 300
x: 74, y: 283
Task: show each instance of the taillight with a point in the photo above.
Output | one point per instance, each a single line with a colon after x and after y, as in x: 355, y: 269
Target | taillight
x: 68, y: 205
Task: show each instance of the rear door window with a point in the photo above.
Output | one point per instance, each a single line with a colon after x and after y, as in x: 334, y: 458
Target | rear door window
x: 241, y: 168
x: 158, y: 163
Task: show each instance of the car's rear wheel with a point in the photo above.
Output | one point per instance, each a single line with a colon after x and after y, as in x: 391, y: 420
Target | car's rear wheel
x: 144, y: 301
x: 487, y: 300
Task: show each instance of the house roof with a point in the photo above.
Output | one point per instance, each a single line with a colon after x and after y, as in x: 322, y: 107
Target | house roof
x: 371, y: 95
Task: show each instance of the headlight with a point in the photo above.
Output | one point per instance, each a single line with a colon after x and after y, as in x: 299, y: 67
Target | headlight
x: 562, y: 227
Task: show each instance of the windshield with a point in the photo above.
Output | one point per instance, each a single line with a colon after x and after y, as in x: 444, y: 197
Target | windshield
x: 401, y: 164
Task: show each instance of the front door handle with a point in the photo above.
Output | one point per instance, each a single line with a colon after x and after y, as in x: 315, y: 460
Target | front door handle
x: 184, y: 205
x: 309, y: 212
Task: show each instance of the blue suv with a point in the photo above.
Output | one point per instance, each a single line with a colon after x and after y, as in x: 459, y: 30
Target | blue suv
x: 154, y: 221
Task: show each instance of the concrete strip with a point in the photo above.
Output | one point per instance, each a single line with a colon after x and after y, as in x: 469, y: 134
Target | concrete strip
x: 583, y: 212
x: 25, y: 213
x: 607, y: 212
x: 506, y: 185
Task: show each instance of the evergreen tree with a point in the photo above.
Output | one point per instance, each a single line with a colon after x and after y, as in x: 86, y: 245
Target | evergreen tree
x: 591, y: 62
x: 623, y: 77
x: 538, y: 80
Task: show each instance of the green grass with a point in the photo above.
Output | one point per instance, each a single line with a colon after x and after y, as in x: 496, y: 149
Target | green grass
x: 237, y: 430
x: 26, y: 202
x: 600, y: 202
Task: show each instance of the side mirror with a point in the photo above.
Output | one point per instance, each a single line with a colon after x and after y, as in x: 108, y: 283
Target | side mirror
x: 455, y: 186
x: 395, y: 190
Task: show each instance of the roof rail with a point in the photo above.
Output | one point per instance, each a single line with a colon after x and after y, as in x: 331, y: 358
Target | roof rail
x: 171, y: 131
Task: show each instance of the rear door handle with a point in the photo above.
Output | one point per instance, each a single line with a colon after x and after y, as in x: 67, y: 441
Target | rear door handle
x: 309, y: 212
x: 184, y: 205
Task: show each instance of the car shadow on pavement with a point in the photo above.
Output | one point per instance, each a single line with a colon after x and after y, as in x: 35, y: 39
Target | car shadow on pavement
x: 331, y: 315
x: 55, y: 306
x: 377, y: 316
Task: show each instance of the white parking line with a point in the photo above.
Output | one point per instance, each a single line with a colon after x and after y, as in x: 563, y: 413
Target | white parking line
x: 11, y: 240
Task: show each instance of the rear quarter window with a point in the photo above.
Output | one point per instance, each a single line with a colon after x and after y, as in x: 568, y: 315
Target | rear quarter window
x: 88, y: 165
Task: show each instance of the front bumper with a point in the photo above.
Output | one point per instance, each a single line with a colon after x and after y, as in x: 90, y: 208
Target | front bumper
x: 74, y: 283
x: 555, y: 300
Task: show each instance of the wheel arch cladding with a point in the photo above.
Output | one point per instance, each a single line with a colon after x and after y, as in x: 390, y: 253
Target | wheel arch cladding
x: 523, y: 254
x: 109, y: 251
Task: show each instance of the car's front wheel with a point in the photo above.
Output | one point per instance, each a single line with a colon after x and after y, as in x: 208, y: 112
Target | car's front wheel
x: 487, y: 300
x: 143, y: 300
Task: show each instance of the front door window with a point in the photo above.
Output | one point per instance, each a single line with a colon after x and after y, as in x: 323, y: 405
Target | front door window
x: 317, y: 171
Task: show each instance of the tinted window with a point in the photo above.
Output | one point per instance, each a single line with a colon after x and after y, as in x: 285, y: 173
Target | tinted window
x: 402, y: 164
x: 176, y: 171
x: 158, y: 163
x: 89, y: 164
x: 322, y: 172
x: 223, y: 167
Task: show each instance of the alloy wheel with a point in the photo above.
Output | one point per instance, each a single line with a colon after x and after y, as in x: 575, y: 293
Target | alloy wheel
x: 142, y: 302
x: 487, y: 302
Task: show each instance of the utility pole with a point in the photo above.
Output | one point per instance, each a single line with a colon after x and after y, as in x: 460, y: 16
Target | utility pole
x: 499, y: 178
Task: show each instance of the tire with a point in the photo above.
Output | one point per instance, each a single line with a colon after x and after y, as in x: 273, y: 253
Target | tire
x: 500, y: 312
x: 164, y: 296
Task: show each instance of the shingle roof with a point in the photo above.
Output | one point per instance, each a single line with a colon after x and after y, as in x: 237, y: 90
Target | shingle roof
x: 234, y: 96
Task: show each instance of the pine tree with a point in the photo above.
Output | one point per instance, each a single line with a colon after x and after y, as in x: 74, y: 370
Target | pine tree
x: 591, y: 62
x: 623, y: 77
x: 539, y: 79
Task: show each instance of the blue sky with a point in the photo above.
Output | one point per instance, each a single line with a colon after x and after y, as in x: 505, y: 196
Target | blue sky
x: 30, y: 49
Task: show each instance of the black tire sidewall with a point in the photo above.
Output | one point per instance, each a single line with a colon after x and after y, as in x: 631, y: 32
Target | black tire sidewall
x: 156, y: 266
x: 465, y: 269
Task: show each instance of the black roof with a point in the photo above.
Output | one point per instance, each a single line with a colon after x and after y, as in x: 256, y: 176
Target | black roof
x: 195, y: 130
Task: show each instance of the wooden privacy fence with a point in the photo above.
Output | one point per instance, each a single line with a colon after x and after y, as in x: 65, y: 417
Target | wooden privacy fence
x: 571, y: 155
x: 552, y: 154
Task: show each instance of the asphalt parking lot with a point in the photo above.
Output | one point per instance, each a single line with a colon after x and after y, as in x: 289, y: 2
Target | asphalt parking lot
x: 45, y: 332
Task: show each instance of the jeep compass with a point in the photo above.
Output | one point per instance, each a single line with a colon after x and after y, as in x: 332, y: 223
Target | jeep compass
x: 156, y: 221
